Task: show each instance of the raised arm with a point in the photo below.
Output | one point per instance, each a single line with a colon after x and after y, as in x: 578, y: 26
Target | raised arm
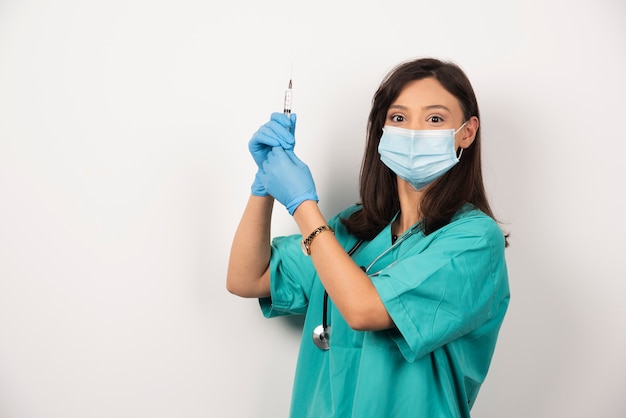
x: 248, y: 274
x: 248, y: 265
x: 350, y: 289
x: 289, y: 180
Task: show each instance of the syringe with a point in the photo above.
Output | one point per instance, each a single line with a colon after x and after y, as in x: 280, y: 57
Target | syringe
x: 287, y: 106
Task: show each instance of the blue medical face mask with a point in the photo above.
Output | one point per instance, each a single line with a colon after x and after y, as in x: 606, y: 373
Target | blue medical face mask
x: 418, y: 156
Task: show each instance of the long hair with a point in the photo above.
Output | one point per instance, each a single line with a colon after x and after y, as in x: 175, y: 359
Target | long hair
x: 462, y: 184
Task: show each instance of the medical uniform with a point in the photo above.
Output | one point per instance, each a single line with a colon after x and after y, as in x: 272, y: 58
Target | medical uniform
x: 447, y: 294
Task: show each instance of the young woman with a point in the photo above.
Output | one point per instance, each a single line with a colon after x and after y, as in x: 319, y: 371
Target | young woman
x: 404, y: 293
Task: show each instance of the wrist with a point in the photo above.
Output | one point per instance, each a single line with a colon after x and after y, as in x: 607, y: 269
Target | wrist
x: 306, y: 242
x: 308, y: 217
x: 293, y: 206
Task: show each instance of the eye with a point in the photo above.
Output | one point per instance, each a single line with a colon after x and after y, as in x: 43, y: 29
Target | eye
x: 435, y: 119
x: 396, y: 118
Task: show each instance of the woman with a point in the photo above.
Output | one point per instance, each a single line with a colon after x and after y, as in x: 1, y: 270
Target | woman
x: 404, y: 293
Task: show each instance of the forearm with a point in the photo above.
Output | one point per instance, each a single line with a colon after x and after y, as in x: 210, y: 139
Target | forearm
x: 350, y: 289
x: 248, y: 265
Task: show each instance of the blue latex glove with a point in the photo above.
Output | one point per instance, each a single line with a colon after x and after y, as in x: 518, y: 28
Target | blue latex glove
x: 287, y: 178
x: 278, y: 132
x: 257, y: 188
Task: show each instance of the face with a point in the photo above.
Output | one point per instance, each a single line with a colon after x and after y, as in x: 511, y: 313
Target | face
x: 426, y: 104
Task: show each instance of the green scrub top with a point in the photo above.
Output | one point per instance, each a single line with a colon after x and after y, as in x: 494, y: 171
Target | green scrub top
x: 447, y: 294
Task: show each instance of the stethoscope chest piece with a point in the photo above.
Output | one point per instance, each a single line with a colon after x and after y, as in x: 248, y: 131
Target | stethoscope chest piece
x: 321, y: 337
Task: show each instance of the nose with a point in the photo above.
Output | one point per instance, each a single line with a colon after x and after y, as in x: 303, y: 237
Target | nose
x: 416, y: 124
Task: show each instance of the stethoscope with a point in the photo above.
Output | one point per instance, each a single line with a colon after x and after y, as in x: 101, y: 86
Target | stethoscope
x: 321, y: 333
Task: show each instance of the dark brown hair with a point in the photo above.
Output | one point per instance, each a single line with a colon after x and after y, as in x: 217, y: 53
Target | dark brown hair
x: 378, y: 188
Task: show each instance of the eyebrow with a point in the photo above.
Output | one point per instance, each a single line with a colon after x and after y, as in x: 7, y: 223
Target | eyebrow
x: 429, y: 107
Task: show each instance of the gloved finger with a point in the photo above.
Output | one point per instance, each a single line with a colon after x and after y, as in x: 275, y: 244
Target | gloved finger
x: 288, y: 122
x: 294, y: 119
x: 278, y: 163
x: 280, y: 160
x: 270, y: 135
x: 282, y: 119
x: 264, y: 137
x: 282, y: 134
x: 293, y: 158
x: 276, y: 158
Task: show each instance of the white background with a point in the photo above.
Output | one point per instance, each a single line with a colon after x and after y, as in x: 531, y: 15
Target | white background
x: 124, y: 170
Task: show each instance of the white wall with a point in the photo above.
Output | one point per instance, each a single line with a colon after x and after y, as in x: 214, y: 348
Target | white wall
x: 124, y: 169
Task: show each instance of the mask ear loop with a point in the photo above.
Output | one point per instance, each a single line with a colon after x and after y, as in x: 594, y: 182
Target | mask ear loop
x: 457, y: 131
x: 461, y: 127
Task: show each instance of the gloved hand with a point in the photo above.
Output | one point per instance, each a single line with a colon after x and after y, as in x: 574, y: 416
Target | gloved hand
x: 257, y: 188
x: 287, y: 178
x: 279, y: 131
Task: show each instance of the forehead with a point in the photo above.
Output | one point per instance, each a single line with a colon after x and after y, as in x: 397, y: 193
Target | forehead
x: 424, y: 93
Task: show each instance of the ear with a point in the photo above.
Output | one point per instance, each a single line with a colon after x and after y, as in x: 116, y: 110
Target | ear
x: 469, y: 132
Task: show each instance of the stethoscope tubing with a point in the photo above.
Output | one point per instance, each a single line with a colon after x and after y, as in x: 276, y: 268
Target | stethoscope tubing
x: 325, y: 311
